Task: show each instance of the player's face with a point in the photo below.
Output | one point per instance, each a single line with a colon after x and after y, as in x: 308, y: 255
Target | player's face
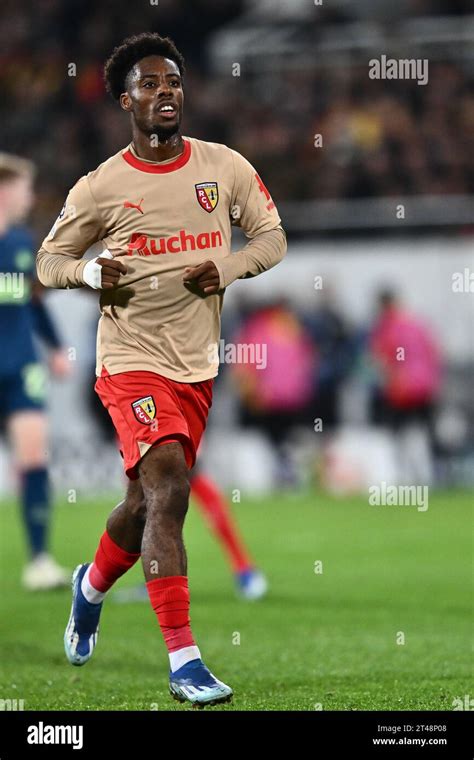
x: 16, y: 198
x: 155, y: 96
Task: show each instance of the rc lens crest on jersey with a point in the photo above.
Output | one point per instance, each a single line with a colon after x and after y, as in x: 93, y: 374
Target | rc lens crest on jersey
x: 144, y: 409
x: 207, y: 195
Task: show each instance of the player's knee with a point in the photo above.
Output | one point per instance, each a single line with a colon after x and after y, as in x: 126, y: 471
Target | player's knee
x: 136, y: 508
x: 28, y: 434
x: 165, y: 481
x: 170, y: 496
x: 173, y: 495
x: 134, y: 503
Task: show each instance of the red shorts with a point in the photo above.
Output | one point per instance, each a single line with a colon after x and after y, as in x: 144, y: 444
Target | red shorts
x: 147, y: 409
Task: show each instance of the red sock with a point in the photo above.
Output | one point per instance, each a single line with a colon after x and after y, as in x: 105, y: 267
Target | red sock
x: 169, y: 598
x: 213, y: 504
x: 110, y: 562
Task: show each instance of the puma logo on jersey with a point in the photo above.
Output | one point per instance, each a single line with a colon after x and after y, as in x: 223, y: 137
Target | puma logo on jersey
x: 138, y: 206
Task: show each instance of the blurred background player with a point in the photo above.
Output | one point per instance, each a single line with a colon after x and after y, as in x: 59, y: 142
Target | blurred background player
x: 22, y: 376
x: 213, y: 505
x: 336, y: 344
x: 277, y: 390
x: 408, y: 362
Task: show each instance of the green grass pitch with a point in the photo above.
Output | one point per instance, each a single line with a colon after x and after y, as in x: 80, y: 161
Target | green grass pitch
x: 320, y: 640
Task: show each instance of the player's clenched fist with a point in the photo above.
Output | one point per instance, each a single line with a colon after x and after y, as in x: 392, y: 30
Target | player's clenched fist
x: 103, y: 272
x: 111, y: 271
x: 205, y: 276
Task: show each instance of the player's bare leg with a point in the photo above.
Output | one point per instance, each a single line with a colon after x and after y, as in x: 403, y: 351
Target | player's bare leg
x: 164, y: 478
x: 165, y: 483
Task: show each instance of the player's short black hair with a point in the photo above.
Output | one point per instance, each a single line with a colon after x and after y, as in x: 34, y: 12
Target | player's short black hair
x: 133, y: 49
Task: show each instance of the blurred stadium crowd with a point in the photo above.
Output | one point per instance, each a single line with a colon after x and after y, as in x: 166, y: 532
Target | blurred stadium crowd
x: 411, y: 140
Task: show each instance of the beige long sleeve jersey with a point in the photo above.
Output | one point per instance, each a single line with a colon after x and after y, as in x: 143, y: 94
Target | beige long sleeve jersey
x: 163, y: 217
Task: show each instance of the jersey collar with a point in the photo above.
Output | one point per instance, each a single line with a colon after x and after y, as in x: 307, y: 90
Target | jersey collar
x: 157, y: 168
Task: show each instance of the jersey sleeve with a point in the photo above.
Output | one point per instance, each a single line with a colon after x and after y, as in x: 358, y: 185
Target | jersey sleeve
x: 59, y: 262
x: 252, y: 206
x: 252, y: 209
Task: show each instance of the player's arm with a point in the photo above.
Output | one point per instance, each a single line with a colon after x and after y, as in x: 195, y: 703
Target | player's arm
x: 43, y: 322
x: 45, y: 328
x: 253, y: 210
x: 60, y: 262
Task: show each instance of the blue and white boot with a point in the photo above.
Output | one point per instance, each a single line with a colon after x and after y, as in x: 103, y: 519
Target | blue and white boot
x: 80, y: 637
x: 251, y: 584
x: 194, y: 683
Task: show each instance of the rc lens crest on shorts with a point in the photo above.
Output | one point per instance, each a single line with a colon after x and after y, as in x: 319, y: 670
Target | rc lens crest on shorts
x: 144, y: 410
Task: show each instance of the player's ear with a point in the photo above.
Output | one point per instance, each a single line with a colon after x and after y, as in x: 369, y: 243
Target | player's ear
x: 126, y: 101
